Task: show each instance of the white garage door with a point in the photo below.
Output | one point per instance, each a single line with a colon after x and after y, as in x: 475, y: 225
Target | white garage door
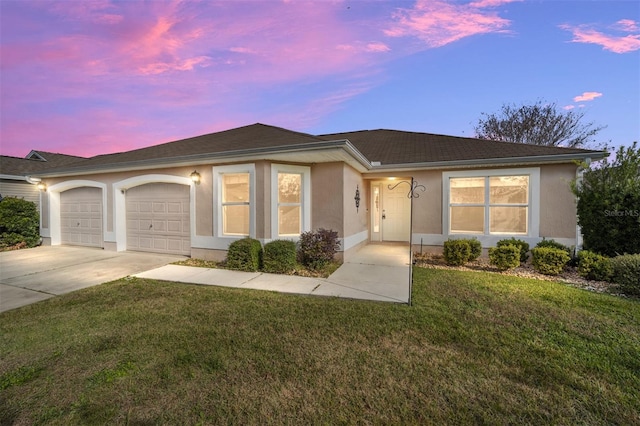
x: 158, y: 218
x: 81, y: 217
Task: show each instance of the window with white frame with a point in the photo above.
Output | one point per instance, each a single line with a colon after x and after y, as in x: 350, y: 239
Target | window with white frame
x: 235, y: 200
x: 290, y: 198
x: 495, y: 202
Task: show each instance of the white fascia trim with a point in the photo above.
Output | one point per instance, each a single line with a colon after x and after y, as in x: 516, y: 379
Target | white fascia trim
x: 217, y: 199
x: 120, y: 203
x: 53, y: 192
x: 306, y: 197
x: 534, y: 199
x: 493, y: 162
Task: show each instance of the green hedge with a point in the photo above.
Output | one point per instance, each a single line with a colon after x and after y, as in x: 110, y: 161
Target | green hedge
x: 245, y: 255
x: 549, y: 260
x: 593, y: 266
x: 504, y: 257
x: 279, y: 257
x: 523, y: 246
x: 457, y: 252
x: 19, y: 223
x: 626, y: 273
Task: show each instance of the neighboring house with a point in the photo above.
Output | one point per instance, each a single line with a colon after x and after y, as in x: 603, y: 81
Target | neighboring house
x: 195, y: 196
x: 15, y: 173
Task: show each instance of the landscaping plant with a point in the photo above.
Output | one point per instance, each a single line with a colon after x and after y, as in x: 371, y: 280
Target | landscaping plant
x: 626, y: 273
x: 523, y: 246
x: 245, y: 255
x: 549, y: 260
x: 456, y: 252
x: 279, y: 257
x: 608, y: 204
x: 317, y: 249
x: 594, y: 266
x: 505, y: 256
x: 19, y: 223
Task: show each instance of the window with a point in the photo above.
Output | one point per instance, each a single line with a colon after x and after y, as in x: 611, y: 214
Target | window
x: 234, y: 195
x: 290, y: 200
x: 496, y: 202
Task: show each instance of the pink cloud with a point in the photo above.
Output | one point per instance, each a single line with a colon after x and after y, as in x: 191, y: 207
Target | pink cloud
x: 587, y: 96
x: 628, y: 25
x: 612, y: 43
x: 438, y: 23
x: 568, y: 107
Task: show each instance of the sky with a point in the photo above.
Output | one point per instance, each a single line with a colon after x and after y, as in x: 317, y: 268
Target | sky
x: 96, y: 77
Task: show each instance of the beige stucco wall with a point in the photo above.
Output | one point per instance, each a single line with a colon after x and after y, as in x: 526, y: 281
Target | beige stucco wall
x: 355, y: 219
x: 427, y: 207
x: 557, y: 202
x: 327, y: 180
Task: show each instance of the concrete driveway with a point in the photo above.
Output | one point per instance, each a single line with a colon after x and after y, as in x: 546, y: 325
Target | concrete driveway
x: 31, y: 275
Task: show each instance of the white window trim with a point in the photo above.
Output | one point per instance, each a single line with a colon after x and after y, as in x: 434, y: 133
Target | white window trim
x: 218, y: 171
x: 306, y: 197
x: 487, y: 239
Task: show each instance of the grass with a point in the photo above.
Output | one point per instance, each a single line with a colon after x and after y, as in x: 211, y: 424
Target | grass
x: 474, y: 348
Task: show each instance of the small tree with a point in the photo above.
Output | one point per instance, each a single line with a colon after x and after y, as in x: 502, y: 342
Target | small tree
x: 609, y: 204
x: 538, y: 124
x: 19, y: 223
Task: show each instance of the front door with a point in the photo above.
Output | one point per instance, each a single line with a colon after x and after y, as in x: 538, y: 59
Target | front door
x: 390, y: 211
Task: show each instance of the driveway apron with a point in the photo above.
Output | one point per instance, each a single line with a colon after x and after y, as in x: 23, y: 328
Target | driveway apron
x: 31, y: 275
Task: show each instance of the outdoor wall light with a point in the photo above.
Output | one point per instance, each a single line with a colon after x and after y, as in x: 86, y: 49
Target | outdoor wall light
x: 42, y: 186
x: 195, y: 177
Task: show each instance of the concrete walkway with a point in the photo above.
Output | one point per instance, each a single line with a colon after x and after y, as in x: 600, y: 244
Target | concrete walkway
x: 377, y: 272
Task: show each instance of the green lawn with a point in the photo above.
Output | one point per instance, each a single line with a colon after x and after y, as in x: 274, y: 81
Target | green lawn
x: 474, y: 348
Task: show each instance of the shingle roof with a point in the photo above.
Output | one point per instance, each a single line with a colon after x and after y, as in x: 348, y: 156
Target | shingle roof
x: 15, y: 166
x: 242, y: 138
x: 399, y: 147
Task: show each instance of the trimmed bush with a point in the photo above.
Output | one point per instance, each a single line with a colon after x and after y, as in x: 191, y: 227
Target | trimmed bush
x: 626, y: 273
x: 456, y: 252
x: 504, y: 257
x: 317, y: 249
x: 553, y: 244
x: 279, y: 257
x: 523, y: 246
x: 19, y: 223
x: 245, y: 255
x: 593, y: 266
x: 475, y: 248
x: 549, y: 260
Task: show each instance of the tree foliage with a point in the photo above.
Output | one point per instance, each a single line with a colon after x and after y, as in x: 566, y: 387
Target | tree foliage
x: 19, y: 223
x: 538, y: 124
x: 609, y: 204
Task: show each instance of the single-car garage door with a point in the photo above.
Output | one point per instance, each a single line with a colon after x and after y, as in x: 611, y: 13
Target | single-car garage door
x: 81, y: 217
x: 158, y: 218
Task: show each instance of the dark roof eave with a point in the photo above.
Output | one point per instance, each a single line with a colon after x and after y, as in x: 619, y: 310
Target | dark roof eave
x: 199, y: 158
x: 499, y: 161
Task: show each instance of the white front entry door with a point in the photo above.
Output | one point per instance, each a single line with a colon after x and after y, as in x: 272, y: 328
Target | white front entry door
x: 391, y: 211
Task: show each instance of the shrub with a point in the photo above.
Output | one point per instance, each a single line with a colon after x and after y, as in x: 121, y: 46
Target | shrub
x: 593, y: 266
x: 553, y: 244
x: 506, y: 256
x: 523, y: 246
x: 456, y: 252
x: 19, y: 223
x: 475, y: 248
x: 245, y: 255
x: 316, y: 249
x: 549, y: 260
x: 279, y: 257
x: 626, y: 273
x: 608, y: 200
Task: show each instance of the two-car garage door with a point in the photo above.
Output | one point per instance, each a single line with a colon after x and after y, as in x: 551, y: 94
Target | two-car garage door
x: 158, y: 218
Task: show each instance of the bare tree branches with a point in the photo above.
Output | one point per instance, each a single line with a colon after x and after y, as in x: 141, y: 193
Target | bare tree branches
x: 537, y: 124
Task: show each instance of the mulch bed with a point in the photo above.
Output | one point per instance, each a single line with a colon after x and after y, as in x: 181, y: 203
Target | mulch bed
x: 569, y: 276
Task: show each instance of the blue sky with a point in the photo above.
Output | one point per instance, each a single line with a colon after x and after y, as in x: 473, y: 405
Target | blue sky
x: 88, y: 78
